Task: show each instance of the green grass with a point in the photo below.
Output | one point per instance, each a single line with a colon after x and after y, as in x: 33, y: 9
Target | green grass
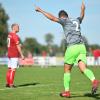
x: 34, y: 83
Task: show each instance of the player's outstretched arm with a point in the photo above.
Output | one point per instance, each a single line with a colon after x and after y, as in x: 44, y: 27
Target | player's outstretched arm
x: 82, y: 10
x: 48, y: 15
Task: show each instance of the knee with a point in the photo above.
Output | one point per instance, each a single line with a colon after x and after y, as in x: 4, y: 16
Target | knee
x: 67, y: 69
x: 82, y: 66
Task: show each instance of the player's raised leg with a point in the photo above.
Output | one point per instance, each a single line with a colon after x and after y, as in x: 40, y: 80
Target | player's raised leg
x: 89, y: 74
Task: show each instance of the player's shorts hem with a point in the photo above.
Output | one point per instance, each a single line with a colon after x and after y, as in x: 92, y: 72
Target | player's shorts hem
x: 81, y: 60
x: 68, y: 64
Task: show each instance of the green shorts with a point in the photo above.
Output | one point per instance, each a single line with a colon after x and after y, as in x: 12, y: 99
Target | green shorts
x: 75, y: 53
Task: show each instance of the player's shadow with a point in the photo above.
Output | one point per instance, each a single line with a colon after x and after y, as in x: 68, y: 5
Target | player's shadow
x: 96, y: 96
x: 27, y: 84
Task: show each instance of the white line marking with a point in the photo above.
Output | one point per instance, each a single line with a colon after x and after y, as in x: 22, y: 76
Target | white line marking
x: 44, y: 85
x: 41, y: 85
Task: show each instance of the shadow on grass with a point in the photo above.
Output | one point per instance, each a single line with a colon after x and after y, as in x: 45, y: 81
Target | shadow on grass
x: 96, y: 96
x: 27, y: 84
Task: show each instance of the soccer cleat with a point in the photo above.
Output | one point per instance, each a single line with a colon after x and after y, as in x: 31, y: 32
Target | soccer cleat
x: 65, y: 94
x: 10, y: 86
x: 95, y: 86
x: 7, y: 85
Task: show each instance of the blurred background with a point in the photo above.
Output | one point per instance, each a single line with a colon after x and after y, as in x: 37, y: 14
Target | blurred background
x: 43, y: 39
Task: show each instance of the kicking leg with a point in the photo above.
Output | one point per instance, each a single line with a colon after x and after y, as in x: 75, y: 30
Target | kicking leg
x: 89, y: 74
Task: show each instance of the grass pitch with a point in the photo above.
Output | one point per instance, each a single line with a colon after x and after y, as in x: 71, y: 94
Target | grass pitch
x: 35, y: 83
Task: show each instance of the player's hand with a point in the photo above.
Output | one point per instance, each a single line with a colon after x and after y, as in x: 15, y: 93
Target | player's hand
x: 22, y: 57
x: 83, y: 5
x: 38, y: 9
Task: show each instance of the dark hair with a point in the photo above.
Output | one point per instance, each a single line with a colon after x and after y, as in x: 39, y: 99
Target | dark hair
x: 62, y: 13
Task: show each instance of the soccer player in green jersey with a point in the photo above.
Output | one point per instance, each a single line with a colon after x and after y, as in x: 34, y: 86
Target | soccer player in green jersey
x: 76, y: 51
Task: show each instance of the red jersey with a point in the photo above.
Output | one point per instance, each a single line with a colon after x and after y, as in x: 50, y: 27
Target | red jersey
x: 96, y: 53
x: 13, y: 40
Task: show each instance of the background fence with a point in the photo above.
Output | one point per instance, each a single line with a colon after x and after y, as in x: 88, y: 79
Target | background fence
x: 50, y: 61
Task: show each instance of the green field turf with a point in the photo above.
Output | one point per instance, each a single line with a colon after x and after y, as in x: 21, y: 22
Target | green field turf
x: 34, y: 83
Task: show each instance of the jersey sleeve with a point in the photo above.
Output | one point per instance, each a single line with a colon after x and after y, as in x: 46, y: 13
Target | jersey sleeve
x: 16, y: 39
x: 80, y: 19
x: 61, y: 21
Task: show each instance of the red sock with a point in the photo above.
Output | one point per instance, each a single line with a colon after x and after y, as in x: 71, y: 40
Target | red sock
x: 8, y: 76
x: 12, y: 75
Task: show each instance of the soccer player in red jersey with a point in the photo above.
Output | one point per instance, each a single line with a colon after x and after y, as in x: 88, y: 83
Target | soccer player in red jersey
x: 14, y: 52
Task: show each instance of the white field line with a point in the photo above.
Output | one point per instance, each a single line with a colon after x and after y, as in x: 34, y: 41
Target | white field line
x: 43, y: 85
x: 38, y: 85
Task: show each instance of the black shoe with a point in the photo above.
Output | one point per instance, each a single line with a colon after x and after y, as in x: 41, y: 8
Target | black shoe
x: 12, y: 86
x: 7, y: 85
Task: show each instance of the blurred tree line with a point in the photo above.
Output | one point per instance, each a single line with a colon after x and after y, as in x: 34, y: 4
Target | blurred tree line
x: 31, y: 44
x: 3, y: 30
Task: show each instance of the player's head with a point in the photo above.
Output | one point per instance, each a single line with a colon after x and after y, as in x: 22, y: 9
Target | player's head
x: 15, y: 27
x: 62, y: 14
